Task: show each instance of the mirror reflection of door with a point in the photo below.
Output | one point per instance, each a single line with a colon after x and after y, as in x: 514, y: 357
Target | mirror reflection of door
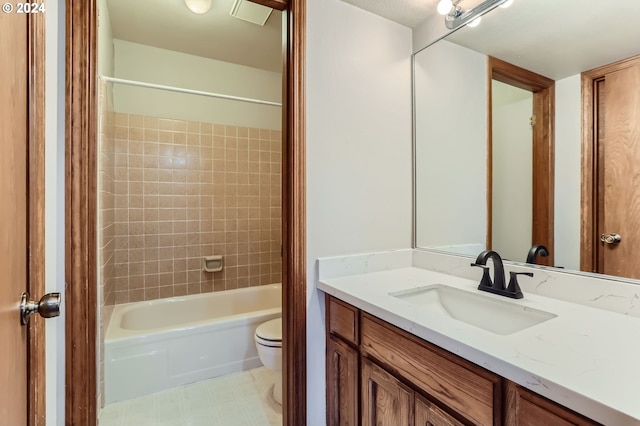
x: 512, y: 111
x: 612, y: 103
x: 521, y: 158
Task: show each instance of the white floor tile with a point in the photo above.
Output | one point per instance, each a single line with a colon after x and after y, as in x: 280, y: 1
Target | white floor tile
x: 242, y: 399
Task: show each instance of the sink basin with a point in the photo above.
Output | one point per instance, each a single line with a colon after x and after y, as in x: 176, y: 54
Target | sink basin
x: 491, y: 314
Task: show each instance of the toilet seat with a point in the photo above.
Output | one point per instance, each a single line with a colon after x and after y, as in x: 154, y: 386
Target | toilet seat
x: 270, y: 333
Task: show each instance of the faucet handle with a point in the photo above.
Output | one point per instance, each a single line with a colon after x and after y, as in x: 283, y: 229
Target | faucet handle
x: 513, y: 286
x: 485, y: 282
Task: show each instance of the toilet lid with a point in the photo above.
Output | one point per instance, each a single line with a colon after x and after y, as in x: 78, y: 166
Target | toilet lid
x: 270, y: 332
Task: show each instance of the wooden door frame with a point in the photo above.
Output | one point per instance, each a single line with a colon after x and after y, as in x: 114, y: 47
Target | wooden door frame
x: 543, y: 90
x: 81, y: 213
x: 589, y: 198
x: 36, y: 183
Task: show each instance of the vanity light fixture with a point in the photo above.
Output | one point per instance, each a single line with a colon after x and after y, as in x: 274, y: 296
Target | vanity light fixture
x: 444, y: 7
x: 198, y: 6
x: 475, y: 22
x: 457, y: 17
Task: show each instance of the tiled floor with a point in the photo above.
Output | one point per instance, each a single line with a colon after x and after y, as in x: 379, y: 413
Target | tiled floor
x: 242, y: 399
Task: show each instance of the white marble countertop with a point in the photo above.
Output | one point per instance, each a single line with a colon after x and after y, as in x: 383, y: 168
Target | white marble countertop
x: 586, y: 359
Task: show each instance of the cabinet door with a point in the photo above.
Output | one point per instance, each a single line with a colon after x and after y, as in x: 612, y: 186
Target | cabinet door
x: 468, y: 390
x: 525, y: 408
x: 385, y: 400
x: 342, y: 383
x: 428, y: 414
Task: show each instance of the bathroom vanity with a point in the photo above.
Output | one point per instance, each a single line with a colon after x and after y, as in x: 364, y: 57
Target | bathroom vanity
x: 404, y: 348
x: 405, y: 380
x: 504, y: 158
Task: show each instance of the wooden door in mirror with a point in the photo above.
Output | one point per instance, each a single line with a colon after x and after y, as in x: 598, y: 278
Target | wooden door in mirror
x: 543, y: 156
x: 610, y: 95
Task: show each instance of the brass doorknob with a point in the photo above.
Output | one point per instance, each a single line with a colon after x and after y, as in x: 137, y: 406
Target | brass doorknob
x: 47, y: 307
x: 611, y: 238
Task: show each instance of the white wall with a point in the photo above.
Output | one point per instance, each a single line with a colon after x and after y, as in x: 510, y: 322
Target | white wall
x: 451, y: 146
x: 153, y: 65
x: 105, y: 40
x: 54, y: 206
x: 567, y: 173
x: 512, y: 168
x: 358, y: 100
x: 427, y: 32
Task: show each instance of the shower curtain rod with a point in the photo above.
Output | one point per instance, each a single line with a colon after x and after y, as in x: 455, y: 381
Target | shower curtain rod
x: 189, y: 91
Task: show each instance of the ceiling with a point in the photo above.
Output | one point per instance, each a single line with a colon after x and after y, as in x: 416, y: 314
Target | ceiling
x: 550, y: 37
x: 593, y: 25
x: 409, y: 13
x: 168, y: 24
x: 555, y: 38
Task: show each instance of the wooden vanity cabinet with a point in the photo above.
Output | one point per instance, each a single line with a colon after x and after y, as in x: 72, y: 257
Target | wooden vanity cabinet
x: 378, y: 374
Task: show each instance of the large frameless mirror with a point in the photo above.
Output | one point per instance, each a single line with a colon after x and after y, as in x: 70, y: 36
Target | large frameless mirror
x: 510, y: 152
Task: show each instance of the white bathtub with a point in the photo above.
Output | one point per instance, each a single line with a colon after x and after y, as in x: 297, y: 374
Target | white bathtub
x: 160, y: 344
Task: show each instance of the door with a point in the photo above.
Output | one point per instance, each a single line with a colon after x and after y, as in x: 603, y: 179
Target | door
x: 621, y: 189
x: 385, y: 400
x: 342, y: 383
x: 613, y: 230
x: 512, y: 170
x: 542, y: 154
x: 13, y: 216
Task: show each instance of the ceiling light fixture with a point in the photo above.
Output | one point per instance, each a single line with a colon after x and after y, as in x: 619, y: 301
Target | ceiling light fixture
x: 506, y: 4
x: 198, y: 6
x: 458, y: 17
x: 444, y: 7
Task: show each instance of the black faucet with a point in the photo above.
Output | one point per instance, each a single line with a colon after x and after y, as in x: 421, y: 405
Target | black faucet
x: 535, y: 251
x: 497, y: 285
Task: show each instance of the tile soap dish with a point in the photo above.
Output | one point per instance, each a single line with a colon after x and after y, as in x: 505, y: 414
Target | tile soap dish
x: 213, y: 263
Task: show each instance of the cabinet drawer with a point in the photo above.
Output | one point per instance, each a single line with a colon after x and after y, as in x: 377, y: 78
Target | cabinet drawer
x: 470, y: 391
x: 343, y: 320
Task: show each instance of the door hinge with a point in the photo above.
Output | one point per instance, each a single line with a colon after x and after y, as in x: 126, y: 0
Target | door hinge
x: 532, y: 120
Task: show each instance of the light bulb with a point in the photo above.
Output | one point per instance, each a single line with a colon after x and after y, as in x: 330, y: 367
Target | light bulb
x: 506, y: 4
x: 475, y: 22
x: 198, y: 6
x: 444, y: 7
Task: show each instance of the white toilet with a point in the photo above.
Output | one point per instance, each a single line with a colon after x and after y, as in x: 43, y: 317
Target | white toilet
x: 269, y: 343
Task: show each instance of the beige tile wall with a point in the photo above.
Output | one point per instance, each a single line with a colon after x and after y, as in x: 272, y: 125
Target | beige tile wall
x: 106, y: 227
x: 185, y: 190
x: 106, y: 217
